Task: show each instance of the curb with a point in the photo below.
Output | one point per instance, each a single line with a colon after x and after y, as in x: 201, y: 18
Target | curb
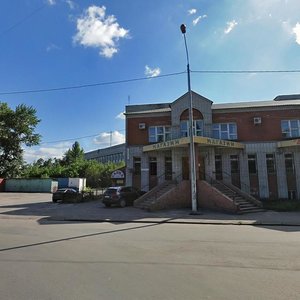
x: 172, y: 221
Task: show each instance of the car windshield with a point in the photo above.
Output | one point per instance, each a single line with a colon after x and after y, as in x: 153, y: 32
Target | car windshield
x: 111, y: 191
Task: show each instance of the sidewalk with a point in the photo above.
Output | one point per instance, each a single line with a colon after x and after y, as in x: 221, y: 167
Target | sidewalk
x: 40, y: 207
x: 182, y: 216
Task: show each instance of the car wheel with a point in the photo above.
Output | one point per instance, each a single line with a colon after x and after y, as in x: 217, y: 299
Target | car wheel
x: 54, y: 200
x: 122, y: 203
x: 107, y: 205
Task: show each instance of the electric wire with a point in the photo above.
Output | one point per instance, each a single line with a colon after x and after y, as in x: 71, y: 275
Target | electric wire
x: 244, y: 71
x: 90, y: 85
x: 82, y: 137
x: 81, y: 86
x: 22, y: 20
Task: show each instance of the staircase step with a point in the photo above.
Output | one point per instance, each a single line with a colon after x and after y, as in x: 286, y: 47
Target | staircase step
x: 251, y: 211
x: 152, y: 199
x: 244, y: 205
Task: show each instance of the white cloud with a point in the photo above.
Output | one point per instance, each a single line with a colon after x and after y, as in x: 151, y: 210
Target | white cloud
x: 107, y: 139
x: 34, y: 153
x: 121, y: 116
x: 51, y: 2
x: 97, y: 30
x: 296, y: 31
x: 230, y: 26
x: 192, y: 11
x: 52, y: 47
x: 196, y: 21
x: 71, y: 4
x: 151, y: 72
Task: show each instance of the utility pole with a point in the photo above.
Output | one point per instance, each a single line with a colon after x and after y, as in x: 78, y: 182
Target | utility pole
x: 191, y: 130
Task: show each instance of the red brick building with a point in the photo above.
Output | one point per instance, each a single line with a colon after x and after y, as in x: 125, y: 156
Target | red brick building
x: 254, y: 146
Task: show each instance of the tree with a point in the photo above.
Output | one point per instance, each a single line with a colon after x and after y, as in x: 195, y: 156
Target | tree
x: 17, y: 128
x: 73, y: 155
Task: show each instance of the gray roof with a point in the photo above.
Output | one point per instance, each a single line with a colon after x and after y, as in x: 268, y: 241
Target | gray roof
x: 287, y: 97
x: 254, y: 104
x: 279, y: 101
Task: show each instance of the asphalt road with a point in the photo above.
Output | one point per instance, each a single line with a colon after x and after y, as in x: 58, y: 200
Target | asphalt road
x: 59, y: 260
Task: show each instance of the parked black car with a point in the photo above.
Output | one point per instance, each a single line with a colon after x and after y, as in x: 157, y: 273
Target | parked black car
x: 65, y: 194
x: 121, y: 195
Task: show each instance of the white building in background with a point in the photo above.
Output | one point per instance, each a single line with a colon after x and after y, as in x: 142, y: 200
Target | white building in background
x: 114, y: 154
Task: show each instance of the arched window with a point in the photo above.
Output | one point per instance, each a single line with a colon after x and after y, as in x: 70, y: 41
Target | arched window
x: 198, y: 123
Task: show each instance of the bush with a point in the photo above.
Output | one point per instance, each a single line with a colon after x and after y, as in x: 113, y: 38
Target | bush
x: 283, y: 205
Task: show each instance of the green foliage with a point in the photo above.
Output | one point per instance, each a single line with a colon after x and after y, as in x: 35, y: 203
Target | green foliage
x: 284, y: 205
x: 73, y: 164
x: 74, y: 155
x: 16, y: 129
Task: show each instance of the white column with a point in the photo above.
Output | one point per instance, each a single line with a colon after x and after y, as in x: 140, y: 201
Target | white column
x: 263, y: 183
x: 281, y: 176
x: 244, y: 172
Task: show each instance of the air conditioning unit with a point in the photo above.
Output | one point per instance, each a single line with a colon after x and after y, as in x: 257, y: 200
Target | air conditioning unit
x: 142, y: 126
x: 257, y: 120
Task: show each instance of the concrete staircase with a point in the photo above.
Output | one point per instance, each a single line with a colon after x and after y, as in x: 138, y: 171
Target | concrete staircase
x: 151, y: 200
x: 245, y: 203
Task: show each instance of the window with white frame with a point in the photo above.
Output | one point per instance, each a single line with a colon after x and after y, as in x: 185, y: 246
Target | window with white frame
x: 290, y: 128
x: 184, y: 128
x: 159, y: 134
x: 224, y: 131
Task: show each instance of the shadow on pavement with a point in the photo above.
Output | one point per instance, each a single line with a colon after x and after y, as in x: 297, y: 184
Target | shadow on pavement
x: 77, y: 237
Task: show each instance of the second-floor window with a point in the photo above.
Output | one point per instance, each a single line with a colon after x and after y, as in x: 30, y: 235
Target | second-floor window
x: 290, y: 128
x: 224, y: 131
x: 184, y: 128
x: 158, y: 134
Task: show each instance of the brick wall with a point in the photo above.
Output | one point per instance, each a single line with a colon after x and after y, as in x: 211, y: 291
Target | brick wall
x: 209, y: 197
x: 268, y: 130
x: 136, y: 136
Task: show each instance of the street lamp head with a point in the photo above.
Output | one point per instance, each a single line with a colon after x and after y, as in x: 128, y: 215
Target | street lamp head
x: 183, y: 28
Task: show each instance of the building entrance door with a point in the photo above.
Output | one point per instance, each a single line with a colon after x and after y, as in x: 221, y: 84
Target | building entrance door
x: 168, y: 168
x: 152, y: 172
x: 136, y: 178
x: 235, y: 170
x: 201, y: 166
x: 218, y: 167
x: 185, y: 168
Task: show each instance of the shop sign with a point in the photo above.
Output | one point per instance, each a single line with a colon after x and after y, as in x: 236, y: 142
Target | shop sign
x: 217, y: 142
x: 117, y: 174
x: 289, y: 143
x: 164, y: 145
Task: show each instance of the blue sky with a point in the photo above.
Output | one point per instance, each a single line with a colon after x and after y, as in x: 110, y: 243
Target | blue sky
x: 49, y: 44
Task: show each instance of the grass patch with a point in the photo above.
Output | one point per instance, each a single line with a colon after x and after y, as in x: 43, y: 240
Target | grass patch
x: 284, y: 205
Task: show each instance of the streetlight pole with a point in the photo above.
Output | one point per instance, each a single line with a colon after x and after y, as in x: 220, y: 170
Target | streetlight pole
x: 191, y: 130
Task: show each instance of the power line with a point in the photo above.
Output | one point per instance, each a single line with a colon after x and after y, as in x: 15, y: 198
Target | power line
x: 89, y: 85
x: 145, y: 78
x: 82, y: 137
x: 22, y: 20
x: 245, y: 71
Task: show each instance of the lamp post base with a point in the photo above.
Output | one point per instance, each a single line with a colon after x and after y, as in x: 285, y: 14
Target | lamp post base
x: 195, y: 213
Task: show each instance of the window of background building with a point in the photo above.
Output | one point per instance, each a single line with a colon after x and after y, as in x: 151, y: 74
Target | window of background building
x: 159, y: 134
x: 289, y: 163
x: 225, y: 131
x: 252, y: 163
x: 290, y: 128
x: 136, y: 165
x: 234, y: 162
x: 270, y: 158
x: 184, y: 128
